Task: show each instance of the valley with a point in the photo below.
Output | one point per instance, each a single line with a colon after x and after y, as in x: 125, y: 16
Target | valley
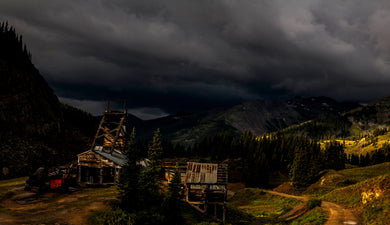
x: 342, y: 202
x: 301, y: 160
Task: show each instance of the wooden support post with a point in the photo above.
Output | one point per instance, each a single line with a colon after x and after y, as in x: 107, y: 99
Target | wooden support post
x: 101, y: 175
x: 188, y: 192
x: 79, y: 177
x: 116, y: 174
x: 223, y: 212
x: 215, y: 210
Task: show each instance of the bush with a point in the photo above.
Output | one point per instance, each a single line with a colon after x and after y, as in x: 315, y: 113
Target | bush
x: 312, y: 203
x: 348, y: 182
x: 111, y: 217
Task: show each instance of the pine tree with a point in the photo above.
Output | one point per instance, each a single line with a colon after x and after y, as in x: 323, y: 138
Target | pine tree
x: 129, y: 177
x: 171, y: 204
x: 149, y: 187
x: 155, y: 150
x: 305, y: 165
x: 334, y: 156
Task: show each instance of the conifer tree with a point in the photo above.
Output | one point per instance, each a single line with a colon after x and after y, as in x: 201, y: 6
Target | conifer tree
x: 155, y: 150
x: 129, y: 177
x: 171, y: 204
x: 305, y: 165
x: 150, y: 189
x: 334, y: 156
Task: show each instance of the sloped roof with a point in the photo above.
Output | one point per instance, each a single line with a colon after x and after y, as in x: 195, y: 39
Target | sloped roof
x: 115, y: 157
x: 201, y: 173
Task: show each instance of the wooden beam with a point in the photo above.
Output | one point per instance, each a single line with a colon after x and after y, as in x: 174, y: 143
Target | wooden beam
x: 97, y: 132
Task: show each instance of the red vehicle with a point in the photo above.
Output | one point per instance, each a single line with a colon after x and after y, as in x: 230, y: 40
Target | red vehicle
x: 59, y: 180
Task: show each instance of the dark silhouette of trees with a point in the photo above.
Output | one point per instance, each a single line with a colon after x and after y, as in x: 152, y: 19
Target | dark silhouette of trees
x: 334, y: 156
x: 306, y: 164
x: 128, y: 184
x: 171, y: 205
x: 13, y: 50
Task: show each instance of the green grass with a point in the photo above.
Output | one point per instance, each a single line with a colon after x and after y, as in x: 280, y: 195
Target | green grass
x: 352, y: 195
x: 342, y: 179
x: 317, y: 216
x: 364, y: 173
x: 7, y: 185
x: 191, y: 216
x: 377, y: 212
x: 363, y: 145
x: 255, y: 202
x: 349, y: 196
x: 346, y: 187
x: 110, y: 217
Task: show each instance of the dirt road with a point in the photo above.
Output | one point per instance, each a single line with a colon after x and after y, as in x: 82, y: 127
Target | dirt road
x: 54, y: 208
x: 337, y: 214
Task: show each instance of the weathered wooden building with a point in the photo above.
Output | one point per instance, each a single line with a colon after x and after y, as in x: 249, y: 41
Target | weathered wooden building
x: 104, y: 160
x: 206, y: 187
x: 98, y: 166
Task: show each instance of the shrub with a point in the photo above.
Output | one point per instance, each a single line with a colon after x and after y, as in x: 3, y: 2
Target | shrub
x: 312, y: 203
x: 348, y: 182
x: 111, y: 217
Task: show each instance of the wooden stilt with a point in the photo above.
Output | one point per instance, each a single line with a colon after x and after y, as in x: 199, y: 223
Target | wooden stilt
x: 101, y: 175
x: 79, y: 177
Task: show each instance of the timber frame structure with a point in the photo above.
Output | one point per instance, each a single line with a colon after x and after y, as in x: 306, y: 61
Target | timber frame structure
x: 112, y: 132
x: 102, y: 163
x: 206, y: 187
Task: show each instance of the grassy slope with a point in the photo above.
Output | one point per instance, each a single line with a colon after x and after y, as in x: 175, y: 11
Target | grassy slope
x: 259, y: 204
x: 253, y: 206
x: 317, y: 216
x: 366, y: 189
x: 362, y: 145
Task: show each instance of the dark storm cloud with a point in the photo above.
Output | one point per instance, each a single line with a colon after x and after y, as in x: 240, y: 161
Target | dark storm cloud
x: 173, y: 55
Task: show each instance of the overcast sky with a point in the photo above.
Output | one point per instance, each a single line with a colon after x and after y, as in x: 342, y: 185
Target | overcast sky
x: 186, y: 55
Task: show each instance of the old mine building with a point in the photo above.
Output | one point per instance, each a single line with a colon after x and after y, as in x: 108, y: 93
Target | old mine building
x: 102, y: 163
x: 206, y: 187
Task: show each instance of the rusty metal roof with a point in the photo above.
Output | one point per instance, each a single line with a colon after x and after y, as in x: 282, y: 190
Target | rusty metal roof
x: 202, y: 173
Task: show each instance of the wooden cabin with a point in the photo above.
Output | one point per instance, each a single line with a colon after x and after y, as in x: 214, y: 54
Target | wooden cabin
x: 206, y: 187
x: 98, y: 166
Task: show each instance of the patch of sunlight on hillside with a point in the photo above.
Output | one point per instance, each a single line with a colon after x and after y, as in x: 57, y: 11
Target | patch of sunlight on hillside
x: 361, y: 145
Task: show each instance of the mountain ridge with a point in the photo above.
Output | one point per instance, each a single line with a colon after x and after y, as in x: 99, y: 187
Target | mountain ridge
x: 356, y: 122
x: 257, y: 116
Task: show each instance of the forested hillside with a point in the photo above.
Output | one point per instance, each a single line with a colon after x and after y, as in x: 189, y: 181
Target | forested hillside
x: 355, y: 123
x: 258, y: 117
x: 36, y: 129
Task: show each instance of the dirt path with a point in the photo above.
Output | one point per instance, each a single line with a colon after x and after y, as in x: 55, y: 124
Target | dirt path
x: 54, y: 208
x: 337, y: 214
